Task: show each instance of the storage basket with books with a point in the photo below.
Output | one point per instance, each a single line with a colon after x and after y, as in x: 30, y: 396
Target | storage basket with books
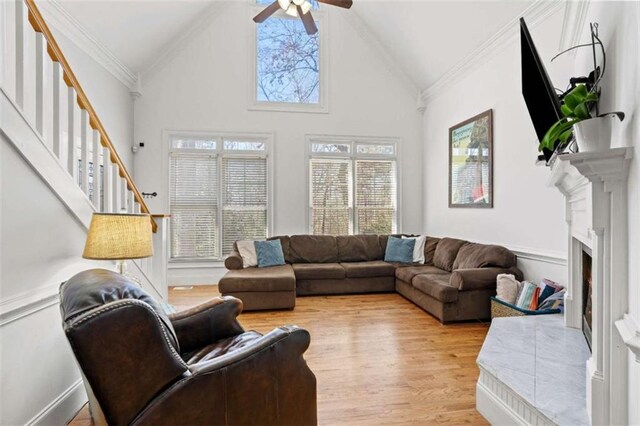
x: 516, y: 298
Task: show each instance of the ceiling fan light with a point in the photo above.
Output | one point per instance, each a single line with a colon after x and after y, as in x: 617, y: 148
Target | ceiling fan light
x: 306, y: 6
x: 284, y: 4
x: 299, y: 2
x: 292, y: 10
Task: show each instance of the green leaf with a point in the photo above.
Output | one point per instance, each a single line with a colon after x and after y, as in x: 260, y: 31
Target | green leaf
x: 580, y: 90
x: 582, y: 111
x: 571, y: 101
x: 566, y: 135
x: 566, y: 111
x: 591, y: 97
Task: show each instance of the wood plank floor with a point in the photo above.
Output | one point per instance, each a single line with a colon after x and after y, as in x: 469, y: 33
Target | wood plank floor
x: 378, y: 359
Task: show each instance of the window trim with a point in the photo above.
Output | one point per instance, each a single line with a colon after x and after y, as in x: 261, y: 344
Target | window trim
x: 322, y: 21
x: 353, y: 155
x: 267, y: 138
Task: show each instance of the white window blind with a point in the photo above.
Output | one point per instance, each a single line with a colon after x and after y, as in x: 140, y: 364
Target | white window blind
x: 331, y: 197
x: 375, y: 196
x: 353, y: 186
x: 244, y: 208
x: 194, y: 206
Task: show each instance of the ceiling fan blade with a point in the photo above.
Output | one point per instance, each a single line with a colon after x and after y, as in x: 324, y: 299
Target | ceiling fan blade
x: 268, y: 11
x: 340, y: 3
x: 307, y: 21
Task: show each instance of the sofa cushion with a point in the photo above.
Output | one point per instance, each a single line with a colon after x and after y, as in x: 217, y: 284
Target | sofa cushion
x: 446, y: 252
x: 406, y: 273
x: 399, y: 250
x: 374, y: 268
x: 474, y: 255
x: 436, y: 286
x: 359, y: 248
x: 269, y: 253
x: 318, y: 271
x: 276, y: 278
x: 284, y: 241
x: 429, y: 249
x: 313, y: 249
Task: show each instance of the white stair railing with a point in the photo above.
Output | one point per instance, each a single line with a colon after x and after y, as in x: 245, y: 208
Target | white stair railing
x: 36, y: 77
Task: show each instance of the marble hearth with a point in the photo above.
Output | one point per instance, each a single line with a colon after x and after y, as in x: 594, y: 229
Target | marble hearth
x: 533, y: 369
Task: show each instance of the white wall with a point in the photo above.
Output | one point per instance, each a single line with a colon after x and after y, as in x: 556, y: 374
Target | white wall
x: 205, y: 87
x: 619, y: 26
x: 528, y: 216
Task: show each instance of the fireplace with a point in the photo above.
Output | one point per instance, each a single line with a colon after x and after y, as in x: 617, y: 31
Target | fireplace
x: 587, y: 305
x: 596, y: 303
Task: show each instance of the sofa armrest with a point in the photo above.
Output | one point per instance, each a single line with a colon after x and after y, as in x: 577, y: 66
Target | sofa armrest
x: 234, y: 261
x: 480, y: 278
x: 297, y: 336
x: 266, y: 382
x: 207, y: 323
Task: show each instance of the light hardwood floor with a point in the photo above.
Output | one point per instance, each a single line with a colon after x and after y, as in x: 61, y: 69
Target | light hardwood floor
x: 378, y: 358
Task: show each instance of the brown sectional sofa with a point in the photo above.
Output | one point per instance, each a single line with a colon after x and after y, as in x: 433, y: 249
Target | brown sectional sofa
x: 454, y: 284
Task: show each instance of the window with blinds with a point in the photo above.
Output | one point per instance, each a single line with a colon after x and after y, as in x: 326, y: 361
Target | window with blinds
x: 331, y: 196
x: 194, y: 206
x: 375, y: 196
x: 218, y: 194
x: 244, y: 206
x: 353, y: 187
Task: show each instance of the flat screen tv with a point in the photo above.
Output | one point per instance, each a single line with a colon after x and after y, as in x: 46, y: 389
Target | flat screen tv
x: 538, y: 91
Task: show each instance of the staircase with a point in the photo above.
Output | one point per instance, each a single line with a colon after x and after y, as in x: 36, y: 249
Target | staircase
x: 47, y: 116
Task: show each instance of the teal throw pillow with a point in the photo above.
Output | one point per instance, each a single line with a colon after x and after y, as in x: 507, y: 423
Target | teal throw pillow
x: 269, y: 253
x: 399, y: 250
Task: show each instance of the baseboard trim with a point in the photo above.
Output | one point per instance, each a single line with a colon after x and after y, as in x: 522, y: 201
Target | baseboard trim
x: 62, y: 409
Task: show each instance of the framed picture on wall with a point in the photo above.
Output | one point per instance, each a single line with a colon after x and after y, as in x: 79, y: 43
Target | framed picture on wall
x: 471, y: 162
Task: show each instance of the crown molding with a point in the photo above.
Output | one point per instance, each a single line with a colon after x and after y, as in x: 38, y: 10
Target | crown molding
x: 534, y: 14
x: 391, y: 63
x: 575, y: 16
x: 59, y: 18
x: 170, y: 50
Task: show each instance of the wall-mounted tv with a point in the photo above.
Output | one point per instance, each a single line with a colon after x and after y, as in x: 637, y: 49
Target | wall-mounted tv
x: 538, y: 91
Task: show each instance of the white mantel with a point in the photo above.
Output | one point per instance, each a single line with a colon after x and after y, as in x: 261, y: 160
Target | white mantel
x: 594, y: 186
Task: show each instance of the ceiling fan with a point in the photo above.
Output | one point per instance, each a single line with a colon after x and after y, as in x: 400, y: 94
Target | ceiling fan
x: 301, y: 8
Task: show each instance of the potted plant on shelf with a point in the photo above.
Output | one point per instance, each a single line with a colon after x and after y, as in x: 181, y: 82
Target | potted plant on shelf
x: 592, y: 133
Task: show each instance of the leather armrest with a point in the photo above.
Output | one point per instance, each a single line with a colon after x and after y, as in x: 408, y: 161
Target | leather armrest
x: 480, y: 278
x: 233, y: 261
x: 207, y: 323
x: 299, y: 337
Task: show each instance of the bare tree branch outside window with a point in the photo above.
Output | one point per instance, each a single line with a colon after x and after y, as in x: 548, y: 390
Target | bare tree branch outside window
x: 288, y: 66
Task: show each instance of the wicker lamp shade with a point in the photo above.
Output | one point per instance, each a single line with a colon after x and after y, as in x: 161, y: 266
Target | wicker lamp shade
x: 118, y: 237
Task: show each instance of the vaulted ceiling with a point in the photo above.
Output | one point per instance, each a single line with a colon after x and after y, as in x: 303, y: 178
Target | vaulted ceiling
x: 426, y: 38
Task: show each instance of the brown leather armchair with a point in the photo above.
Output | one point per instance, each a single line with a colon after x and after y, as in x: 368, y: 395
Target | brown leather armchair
x: 196, y: 367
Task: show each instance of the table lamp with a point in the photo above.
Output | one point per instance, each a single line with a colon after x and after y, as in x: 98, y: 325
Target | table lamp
x: 115, y: 236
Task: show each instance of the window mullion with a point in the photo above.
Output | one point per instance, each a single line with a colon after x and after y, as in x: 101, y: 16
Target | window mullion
x: 221, y: 201
x: 354, y: 196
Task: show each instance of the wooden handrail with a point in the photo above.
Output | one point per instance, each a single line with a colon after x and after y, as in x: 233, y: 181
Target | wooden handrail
x: 39, y: 25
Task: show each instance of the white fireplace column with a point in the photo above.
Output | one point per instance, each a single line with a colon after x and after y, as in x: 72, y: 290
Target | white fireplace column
x: 594, y: 186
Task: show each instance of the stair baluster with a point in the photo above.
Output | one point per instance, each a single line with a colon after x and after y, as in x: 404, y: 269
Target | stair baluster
x: 21, y: 44
x: 96, y: 197
x: 71, y: 132
x: 108, y: 182
x: 85, y: 131
x: 58, y: 90
x: 41, y: 51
